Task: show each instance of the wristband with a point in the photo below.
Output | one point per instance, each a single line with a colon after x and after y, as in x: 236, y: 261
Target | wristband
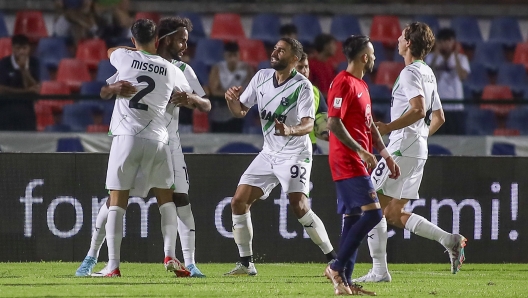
x: 384, y: 153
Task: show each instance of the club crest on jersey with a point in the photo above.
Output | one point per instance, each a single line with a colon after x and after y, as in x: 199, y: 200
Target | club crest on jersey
x: 269, y: 116
x: 285, y: 101
x: 368, y: 115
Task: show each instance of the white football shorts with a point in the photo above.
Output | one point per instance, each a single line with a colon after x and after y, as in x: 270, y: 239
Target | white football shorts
x: 267, y: 171
x: 407, y: 185
x: 138, y: 164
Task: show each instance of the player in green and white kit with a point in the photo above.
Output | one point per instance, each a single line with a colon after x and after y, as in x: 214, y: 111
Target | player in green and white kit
x: 285, y: 102
x: 416, y: 113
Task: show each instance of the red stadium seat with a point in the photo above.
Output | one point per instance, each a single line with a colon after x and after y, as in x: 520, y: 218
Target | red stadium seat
x: 30, y: 23
x: 388, y: 72
x: 521, y: 54
x: 44, y: 107
x: 227, y: 27
x: 497, y: 92
x: 5, y: 47
x: 338, y: 56
x: 73, y: 72
x: 252, y: 51
x: 506, y: 132
x: 200, y: 122
x: 385, y: 29
x: 148, y: 15
x: 91, y: 51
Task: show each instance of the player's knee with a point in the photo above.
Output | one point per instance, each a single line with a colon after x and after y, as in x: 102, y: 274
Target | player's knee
x: 180, y: 199
x: 239, y: 205
x: 392, y: 214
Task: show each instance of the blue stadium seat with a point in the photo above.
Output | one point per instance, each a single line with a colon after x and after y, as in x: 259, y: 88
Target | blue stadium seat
x: 79, y: 115
x: 435, y: 149
x: 430, y: 20
x: 266, y: 27
x: 397, y: 57
x: 92, y: 88
x: 479, y: 121
x: 477, y: 78
x: 343, y: 26
x: 506, y: 31
x: 3, y: 27
x: 196, y: 20
x: 108, y: 108
x: 308, y: 28
x: 252, y: 122
x: 202, y: 71
x: 342, y: 66
x: 209, y: 51
x: 499, y: 148
x: 490, y: 54
x: 379, y: 51
x: 514, y: 76
x: 51, y: 50
x: 517, y: 120
x: 69, y: 145
x: 525, y: 93
x: 104, y: 70
x: 467, y: 30
x: 264, y: 64
x: 119, y: 41
x: 238, y: 147
x: 379, y: 92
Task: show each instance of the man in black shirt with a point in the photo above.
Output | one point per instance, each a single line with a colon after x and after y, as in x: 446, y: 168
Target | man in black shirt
x: 19, y: 75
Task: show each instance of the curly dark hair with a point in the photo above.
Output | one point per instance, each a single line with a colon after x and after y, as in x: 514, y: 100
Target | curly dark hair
x: 421, y: 37
x: 170, y: 24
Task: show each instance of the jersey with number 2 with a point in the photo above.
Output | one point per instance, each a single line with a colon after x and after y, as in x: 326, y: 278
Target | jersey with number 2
x: 155, y: 78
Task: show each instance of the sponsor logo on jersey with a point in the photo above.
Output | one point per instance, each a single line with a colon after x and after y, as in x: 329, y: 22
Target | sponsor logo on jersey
x: 285, y: 101
x: 338, y: 101
x: 269, y: 116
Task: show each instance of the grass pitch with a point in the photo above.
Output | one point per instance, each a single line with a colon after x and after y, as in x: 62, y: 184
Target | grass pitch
x: 284, y: 280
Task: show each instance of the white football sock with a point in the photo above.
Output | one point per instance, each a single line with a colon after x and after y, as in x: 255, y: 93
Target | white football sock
x: 186, y: 229
x: 422, y: 227
x: 316, y: 230
x: 114, y: 235
x: 377, y: 243
x: 99, y: 233
x: 169, y: 228
x: 243, y: 234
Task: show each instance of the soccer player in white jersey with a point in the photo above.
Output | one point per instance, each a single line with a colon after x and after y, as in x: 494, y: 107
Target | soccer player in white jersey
x: 416, y: 113
x: 173, y: 33
x: 286, y: 105
x: 140, y: 139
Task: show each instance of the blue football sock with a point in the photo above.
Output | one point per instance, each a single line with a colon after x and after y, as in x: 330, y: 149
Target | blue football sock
x: 349, y: 221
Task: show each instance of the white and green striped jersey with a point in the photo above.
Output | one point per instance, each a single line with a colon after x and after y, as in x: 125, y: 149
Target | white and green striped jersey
x: 288, y: 102
x: 172, y: 114
x: 415, y: 79
x: 155, y: 78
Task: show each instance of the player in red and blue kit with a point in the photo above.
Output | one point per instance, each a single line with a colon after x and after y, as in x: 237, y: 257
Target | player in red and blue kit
x: 353, y: 134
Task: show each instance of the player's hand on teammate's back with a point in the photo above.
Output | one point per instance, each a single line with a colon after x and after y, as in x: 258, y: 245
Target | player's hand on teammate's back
x: 369, y: 159
x: 233, y: 93
x: 123, y: 88
x: 383, y: 128
x: 393, y: 168
x: 282, y: 129
x: 179, y: 99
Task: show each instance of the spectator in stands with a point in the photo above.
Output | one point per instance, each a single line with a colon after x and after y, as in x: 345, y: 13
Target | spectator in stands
x: 19, y: 75
x: 228, y: 73
x: 76, y: 20
x: 288, y: 30
x: 451, y: 68
x: 57, y: 125
x: 321, y: 69
x: 98, y: 125
x: 114, y: 19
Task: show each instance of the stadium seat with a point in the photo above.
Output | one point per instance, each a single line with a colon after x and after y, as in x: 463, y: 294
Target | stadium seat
x: 104, y: 70
x: 119, y: 41
x: 43, y: 107
x: 388, y: 72
x: 385, y: 29
x: 308, y: 27
x: 506, y: 31
x: 5, y: 47
x: 209, y: 51
x: 200, y: 121
x: 467, y: 30
x: 73, y: 72
x: 92, y: 88
x: 264, y: 64
x: 506, y: 132
x: 343, y: 26
x: 477, y: 78
x: 238, y: 147
x: 148, y: 15
x: 69, y: 145
x: 78, y: 115
x: 521, y: 54
x: 3, y: 27
x: 227, y: 27
x: 338, y: 56
x: 490, y: 54
x: 108, y: 109
x: 497, y: 92
x: 517, y: 120
x: 514, y: 76
x: 201, y: 70
x: 266, y: 27
x: 379, y: 92
x: 379, y: 52
x: 196, y: 20
x: 30, y: 23
x: 252, y: 121
x: 341, y: 66
x: 435, y: 149
x: 72, y: 3
x: 499, y: 148
x: 252, y: 51
x: 525, y: 93
x: 91, y: 51
x: 479, y: 122
x: 396, y: 56
x: 51, y: 50
x: 430, y: 20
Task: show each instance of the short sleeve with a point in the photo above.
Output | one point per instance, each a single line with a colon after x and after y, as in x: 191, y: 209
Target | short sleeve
x: 437, y: 104
x: 249, y: 96
x: 181, y: 83
x: 338, y: 92
x: 305, y: 101
x: 116, y: 58
x: 411, y: 82
x: 191, y: 77
x: 113, y: 79
x: 464, y: 63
